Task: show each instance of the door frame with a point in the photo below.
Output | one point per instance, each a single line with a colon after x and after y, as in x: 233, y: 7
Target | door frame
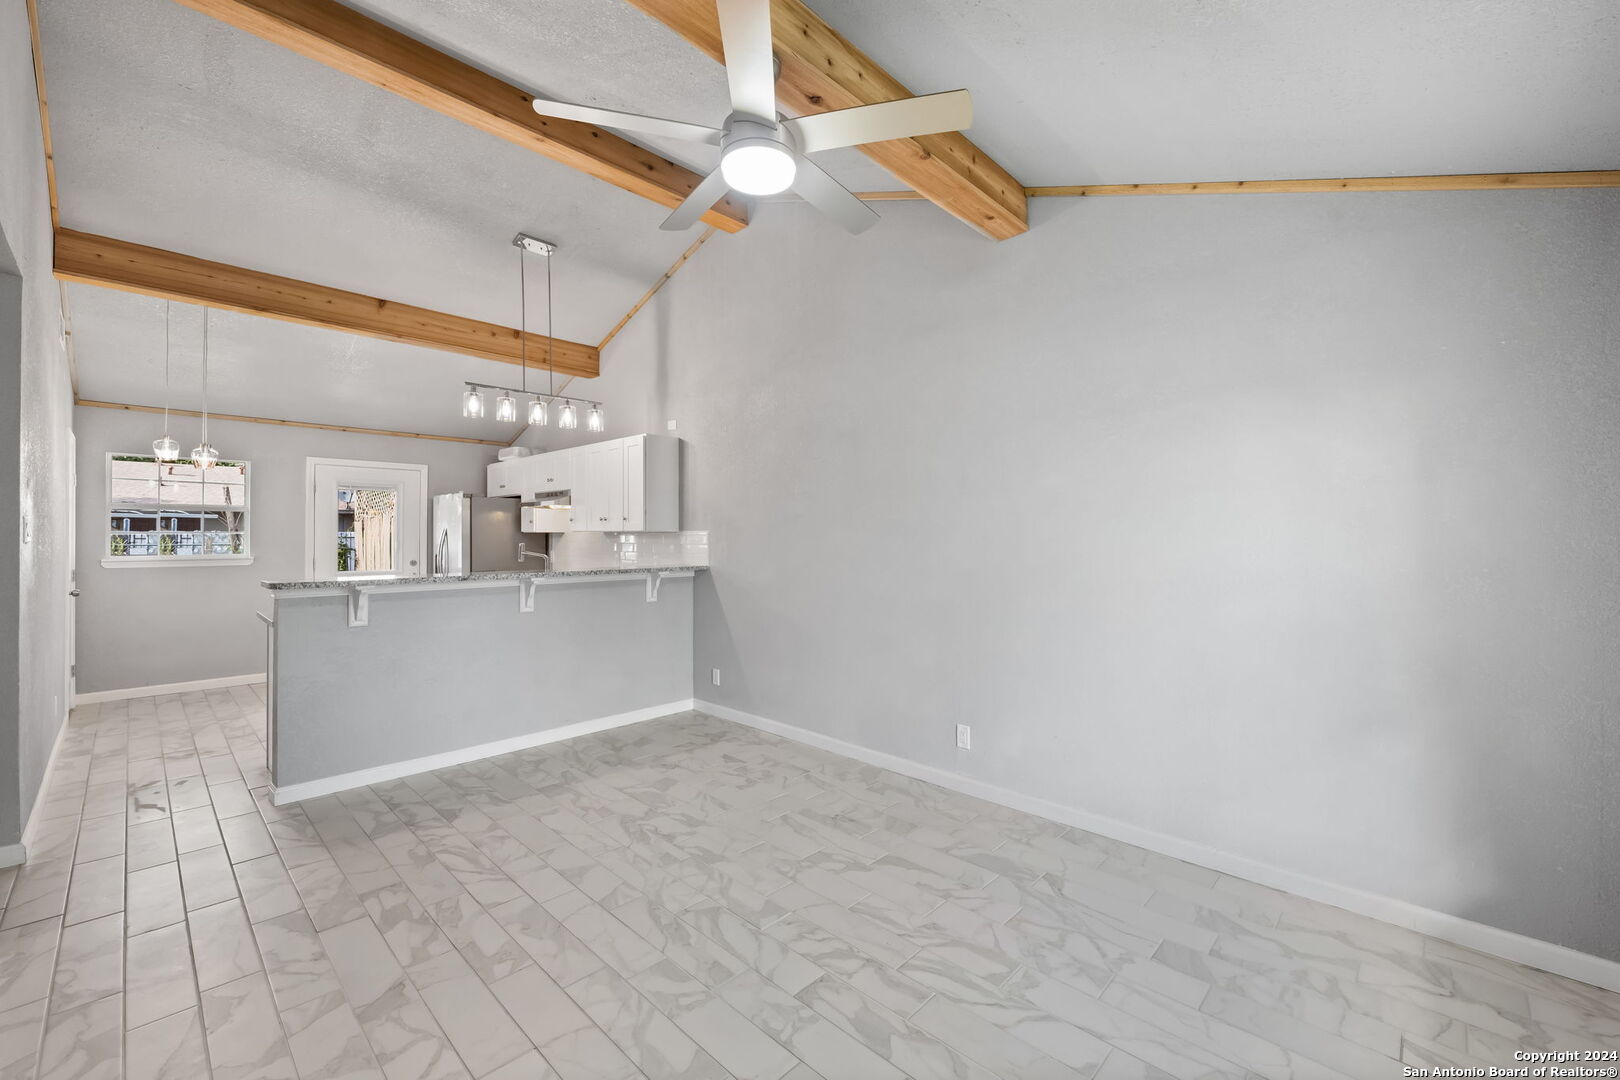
x: 72, y: 571
x: 310, y: 510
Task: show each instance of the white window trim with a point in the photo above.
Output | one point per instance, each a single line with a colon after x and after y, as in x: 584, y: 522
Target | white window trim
x: 129, y: 562
x: 310, y: 509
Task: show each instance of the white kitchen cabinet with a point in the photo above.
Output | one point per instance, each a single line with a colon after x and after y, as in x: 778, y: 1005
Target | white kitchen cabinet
x: 505, y: 477
x: 627, y: 485
x: 545, y: 473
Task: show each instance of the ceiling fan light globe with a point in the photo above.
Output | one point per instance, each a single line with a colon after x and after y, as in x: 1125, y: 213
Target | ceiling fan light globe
x: 758, y: 168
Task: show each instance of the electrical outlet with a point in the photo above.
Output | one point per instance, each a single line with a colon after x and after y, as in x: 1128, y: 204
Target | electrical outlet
x: 964, y: 737
x: 672, y: 425
x: 714, y: 676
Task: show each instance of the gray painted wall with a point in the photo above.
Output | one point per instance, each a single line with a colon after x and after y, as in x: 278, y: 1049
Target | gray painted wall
x: 121, y: 607
x: 444, y: 670
x: 36, y: 396
x: 1282, y: 524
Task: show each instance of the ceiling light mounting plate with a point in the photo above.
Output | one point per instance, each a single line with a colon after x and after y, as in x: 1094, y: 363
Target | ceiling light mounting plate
x: 533, y: 244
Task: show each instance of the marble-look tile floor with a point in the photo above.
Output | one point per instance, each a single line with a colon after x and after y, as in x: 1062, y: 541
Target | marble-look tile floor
x: 683, y: 898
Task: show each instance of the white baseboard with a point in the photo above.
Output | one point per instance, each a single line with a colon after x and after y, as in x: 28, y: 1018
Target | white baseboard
x: 311, y: 789
x: 31, y: 826
x: 1533, y: 952
x: 11, y: 855
x: 167, y: 688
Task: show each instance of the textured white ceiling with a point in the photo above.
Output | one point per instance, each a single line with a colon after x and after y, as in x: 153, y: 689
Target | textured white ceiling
x: 1098, y: 91
x: 177, y: 130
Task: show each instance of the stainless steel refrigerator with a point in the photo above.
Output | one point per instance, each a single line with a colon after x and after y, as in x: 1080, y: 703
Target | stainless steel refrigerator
x: 472, y: 534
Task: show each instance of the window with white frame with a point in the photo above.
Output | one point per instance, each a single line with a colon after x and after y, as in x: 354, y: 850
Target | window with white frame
x: 174, y: 512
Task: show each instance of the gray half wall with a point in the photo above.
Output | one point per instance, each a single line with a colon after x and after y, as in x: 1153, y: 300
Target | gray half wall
x: 439, y: 671
x: 1282, y: 524
x: 214, y: 604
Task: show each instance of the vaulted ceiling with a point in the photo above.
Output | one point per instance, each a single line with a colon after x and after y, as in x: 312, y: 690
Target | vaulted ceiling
x: 176, y: 130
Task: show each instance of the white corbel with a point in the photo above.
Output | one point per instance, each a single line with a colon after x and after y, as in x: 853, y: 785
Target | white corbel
x: 360, y: 605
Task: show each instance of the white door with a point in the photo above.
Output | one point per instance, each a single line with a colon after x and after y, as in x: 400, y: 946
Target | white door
x: 634, y: 518
x: 73, y: 569
x: 587, y: 491
x: 612, y: 486
x: 366, y: 519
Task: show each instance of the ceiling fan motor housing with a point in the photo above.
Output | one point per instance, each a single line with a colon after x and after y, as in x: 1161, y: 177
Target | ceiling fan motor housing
x: 744, y: 131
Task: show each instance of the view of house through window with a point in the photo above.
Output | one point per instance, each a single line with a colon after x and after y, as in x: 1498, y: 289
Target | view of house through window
x: 172, y: 509
x: 367, y: 526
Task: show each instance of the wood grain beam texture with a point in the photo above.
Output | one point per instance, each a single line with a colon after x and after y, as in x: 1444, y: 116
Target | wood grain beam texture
x: 118, y: 264
x: 822, y: 71
x: 1543, y: 181
x: 214, y: 416
x: 348, y: 41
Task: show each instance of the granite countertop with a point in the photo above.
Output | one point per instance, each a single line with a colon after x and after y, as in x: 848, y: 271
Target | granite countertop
x: 485, y: 575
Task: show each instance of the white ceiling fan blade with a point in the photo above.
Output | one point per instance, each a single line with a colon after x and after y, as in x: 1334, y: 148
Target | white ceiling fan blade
x: 696, y: 204
x: 824, y: 193
x: 623, y: 121
x: 950, y: 111
x: 745, y: 32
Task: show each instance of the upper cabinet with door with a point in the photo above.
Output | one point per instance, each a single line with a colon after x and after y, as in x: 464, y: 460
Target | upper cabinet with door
x: 621, y: 485
x: 505, y: 477
x: 627, y: 485
x: 530, y: 477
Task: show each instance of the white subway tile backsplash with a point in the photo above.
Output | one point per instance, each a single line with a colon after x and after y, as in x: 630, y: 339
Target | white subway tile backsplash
x: 608, y: 551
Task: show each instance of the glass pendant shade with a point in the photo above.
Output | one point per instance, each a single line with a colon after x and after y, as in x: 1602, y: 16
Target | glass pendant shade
x: 568, y: 416
x: 506, y: 408
x: 204, y: 456
x: 166, y: 448
x: 593, y: 419
x: 472, y: 403
x: 537, y: 413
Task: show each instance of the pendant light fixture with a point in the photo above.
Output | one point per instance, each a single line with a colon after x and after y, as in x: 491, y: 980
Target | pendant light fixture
x: 166, y: 448
x: 539, y: 405
x: 203, y: 455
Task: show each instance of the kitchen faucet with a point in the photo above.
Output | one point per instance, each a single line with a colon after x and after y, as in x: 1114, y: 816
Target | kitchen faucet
x: 525, y: 553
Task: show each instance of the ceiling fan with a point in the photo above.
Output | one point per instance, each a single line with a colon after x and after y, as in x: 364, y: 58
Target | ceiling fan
x: 762, y: 154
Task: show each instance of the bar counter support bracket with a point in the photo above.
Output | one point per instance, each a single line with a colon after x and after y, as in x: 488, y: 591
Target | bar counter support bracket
x: 654, y: 579
x: 526, y: 594
x: 360, y: 605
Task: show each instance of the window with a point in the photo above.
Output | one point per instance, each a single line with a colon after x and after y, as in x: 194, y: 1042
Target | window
x: 162, y: 512
x: 367, y: 529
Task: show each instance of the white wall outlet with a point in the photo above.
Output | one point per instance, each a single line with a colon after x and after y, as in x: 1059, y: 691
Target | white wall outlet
x: 714, y: 676
x: 964, y: 737
x: 672, y: 425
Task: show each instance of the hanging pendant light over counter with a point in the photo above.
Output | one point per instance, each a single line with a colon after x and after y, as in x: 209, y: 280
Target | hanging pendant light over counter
x: 203, y: 455
x: 166, y: 448
x: 538, y: 412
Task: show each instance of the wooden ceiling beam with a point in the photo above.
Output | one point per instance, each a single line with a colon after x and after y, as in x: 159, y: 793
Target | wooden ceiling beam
x: 822, y: 71
x: 214, y: 416
x: 348, y: 41
x: 118, y: 264
x: 1533, y: 181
